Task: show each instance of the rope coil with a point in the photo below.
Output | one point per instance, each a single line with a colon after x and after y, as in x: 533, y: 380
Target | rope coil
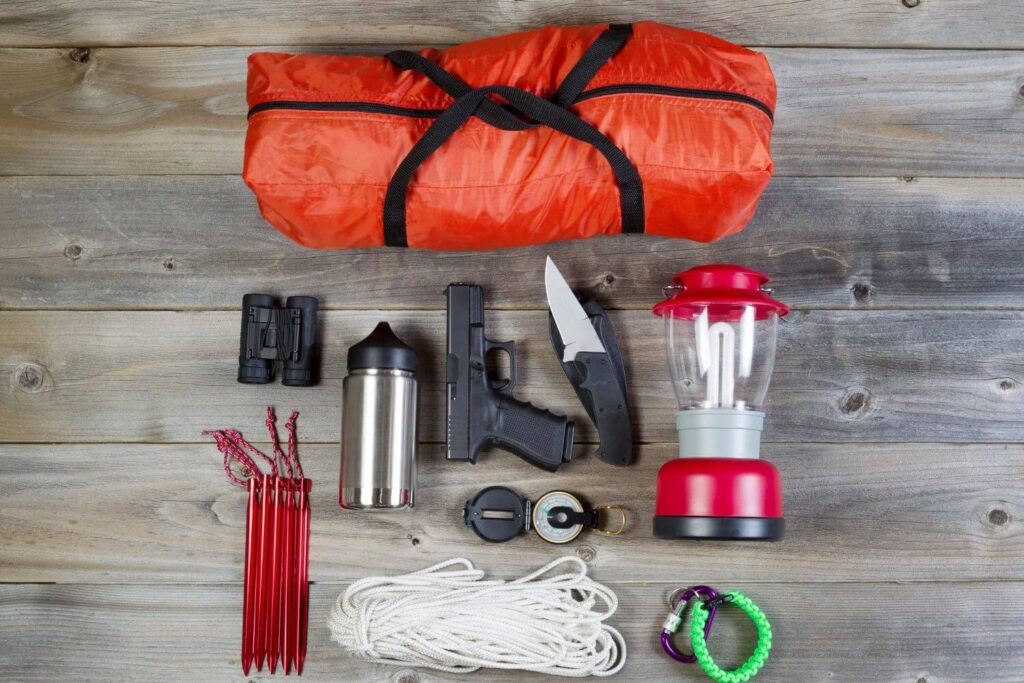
x: 449, y: 618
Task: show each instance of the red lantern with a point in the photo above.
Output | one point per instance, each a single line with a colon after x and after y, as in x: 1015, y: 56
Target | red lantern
x: 721, y: 325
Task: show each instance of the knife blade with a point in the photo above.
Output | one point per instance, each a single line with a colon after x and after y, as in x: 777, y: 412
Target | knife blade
x: 582, y: 337
x: 573, y: 324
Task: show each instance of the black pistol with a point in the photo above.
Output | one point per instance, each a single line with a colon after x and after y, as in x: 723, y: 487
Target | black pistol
x: 480, y: 409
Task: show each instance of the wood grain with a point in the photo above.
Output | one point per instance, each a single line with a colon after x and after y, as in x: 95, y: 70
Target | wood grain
x: 198, y: 242
x: 841, y: 112
x: 167, y: 514
x: 850, y: 633
x: 840, y: 376
x: 934, y: 23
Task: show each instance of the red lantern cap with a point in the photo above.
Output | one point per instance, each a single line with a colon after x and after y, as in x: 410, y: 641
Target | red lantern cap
x: 724, y: 289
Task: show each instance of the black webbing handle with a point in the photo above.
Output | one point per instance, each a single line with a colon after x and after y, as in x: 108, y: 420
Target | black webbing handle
x: 627, y: 178
x: 596, y: 55
x: 490, y: 111
x: 554, y: 113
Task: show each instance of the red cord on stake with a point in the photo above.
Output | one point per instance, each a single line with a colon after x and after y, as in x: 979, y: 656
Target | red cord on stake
x: 275, y: 607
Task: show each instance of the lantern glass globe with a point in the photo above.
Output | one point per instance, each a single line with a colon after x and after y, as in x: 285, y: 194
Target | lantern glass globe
x: 721, y: 357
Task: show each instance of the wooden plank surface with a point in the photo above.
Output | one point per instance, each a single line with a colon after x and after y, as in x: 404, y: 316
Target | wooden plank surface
x: 847, y: 633
x: 840, y: 375
x: 199, y: 242
x: 893, y: 226
x: 933, y: 23
x: 854, y: 512
x: 841, y: 112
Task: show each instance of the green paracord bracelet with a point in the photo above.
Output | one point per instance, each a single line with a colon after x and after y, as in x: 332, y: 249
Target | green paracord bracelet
x: 753, y: 663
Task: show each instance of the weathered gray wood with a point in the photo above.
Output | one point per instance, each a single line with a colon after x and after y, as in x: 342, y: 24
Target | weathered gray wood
x: 845, y: 633
x: 198, y: 241
x: 841, y: 112
x: 840, y: 375
x: 109, y: 513
x: 933, y: 23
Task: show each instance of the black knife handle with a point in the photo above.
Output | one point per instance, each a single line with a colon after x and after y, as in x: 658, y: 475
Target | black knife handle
x: 609, y: 409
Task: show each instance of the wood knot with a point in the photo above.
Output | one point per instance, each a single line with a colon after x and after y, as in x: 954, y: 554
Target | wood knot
x: 415, y: 541
x: 238, y: 469
x: 406, y: 676
x: 31, y: 378
x: 911, y: 4
x: 80, y: 55
x: 855, y: 403
x: 861, y: 292
x: 586, y: 553
x: 168, y: 264
x: 73, y: 252
x: 1008, y: 384
x: 1020, y: 91
x: 908, y: 178
x: 998, y: 517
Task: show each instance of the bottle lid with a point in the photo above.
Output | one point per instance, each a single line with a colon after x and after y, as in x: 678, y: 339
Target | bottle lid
x: 382, y: 349
x: 497, y: 514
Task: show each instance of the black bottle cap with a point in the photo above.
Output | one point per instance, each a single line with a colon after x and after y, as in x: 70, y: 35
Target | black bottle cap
x: 382, y: 349
x: 497, y: 514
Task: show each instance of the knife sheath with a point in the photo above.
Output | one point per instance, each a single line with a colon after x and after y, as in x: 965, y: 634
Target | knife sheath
x: 600, y: 383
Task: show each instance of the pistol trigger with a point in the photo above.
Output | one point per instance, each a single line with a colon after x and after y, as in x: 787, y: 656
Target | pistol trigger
x: 509, y: 347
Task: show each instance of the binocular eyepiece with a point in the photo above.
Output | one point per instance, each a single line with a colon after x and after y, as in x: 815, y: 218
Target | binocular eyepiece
x: 270, y: 334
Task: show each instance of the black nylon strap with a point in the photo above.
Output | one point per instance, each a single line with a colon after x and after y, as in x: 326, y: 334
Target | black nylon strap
x: 489, y: 111
x: 604, y: 47
x: 627, y: 178
x: 597, y: 55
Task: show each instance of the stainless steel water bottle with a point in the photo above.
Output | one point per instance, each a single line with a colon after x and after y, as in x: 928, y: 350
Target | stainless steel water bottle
x: 378, y: 424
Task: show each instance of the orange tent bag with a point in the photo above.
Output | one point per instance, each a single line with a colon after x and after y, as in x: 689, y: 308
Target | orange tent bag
x: 554, y: 134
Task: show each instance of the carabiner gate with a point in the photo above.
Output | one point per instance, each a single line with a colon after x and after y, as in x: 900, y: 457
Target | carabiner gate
x: 680, y: 602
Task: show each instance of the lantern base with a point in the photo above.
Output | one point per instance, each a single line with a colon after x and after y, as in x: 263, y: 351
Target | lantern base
x: 721, y: 528
x: 719, y: 498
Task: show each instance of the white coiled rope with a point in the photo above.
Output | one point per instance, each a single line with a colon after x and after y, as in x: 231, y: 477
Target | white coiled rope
x: 447, y: 617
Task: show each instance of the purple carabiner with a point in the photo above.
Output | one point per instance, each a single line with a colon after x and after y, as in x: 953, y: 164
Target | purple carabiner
x: 675, y: 620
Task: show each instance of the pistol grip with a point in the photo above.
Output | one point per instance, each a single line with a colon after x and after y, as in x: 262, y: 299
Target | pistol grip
x: 540, y: 437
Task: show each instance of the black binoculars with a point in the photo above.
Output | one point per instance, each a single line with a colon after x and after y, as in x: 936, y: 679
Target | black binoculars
x: 270, y: 334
